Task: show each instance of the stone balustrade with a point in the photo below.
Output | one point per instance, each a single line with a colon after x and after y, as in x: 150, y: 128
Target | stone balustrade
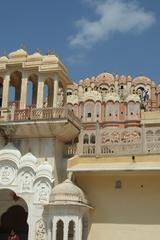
x: 35, y: 114
x: 147, y: 141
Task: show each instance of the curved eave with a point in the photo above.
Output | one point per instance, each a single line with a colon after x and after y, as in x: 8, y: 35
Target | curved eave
x: 70, y: 203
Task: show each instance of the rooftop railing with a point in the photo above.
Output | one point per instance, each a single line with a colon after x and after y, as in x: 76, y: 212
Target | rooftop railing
x: 37, y: 114
x: 117, y: 142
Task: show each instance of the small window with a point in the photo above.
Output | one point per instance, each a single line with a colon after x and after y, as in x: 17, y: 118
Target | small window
x: 110, y: 114
x: 97, y: 115
x: 131, y: 113
x: 121, y: 87
x: 85, y: 139
x: 86, y: 89
x: 122, y: 113
x: 89, y: 115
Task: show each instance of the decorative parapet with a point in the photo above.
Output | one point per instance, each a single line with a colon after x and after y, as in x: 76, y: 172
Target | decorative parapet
x: 116, y: 142
x: 36, y: 114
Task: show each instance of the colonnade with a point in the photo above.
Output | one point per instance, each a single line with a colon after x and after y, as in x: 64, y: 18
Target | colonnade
x: 21, y: 88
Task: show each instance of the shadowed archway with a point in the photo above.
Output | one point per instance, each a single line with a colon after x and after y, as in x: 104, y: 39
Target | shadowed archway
x: 13, y: 217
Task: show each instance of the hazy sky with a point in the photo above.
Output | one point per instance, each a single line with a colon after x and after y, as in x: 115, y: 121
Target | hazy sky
x: 90, y: 36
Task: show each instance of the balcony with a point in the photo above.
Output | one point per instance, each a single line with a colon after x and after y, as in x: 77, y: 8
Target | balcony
x: 36, y: 122
x: 117, y: 142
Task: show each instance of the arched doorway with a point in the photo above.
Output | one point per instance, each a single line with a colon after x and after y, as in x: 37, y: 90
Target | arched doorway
x: 13, y: 215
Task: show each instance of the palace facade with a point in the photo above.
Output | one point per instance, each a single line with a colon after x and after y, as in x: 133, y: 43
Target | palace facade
x: 78, y: 161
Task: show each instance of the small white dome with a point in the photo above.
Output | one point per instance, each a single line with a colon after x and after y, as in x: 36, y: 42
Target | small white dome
x: 3, y: 59
x: 105, y: 76
x: 34, y: 57
x: 133, y: 98
x: 67, y: 193
x: 50, y: 59
x: 10, y: 152
x: 112, y: 97
x: 28, y: 160
x: 20, y: 53
x: 44, y: 170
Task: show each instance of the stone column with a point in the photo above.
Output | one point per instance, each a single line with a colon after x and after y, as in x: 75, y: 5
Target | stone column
x: 55, y: 95
x: 5, y: 91
x: 54, y: 229
x: 49, y: 233
x: 40, y: 92
x: 65, y: 231
x: 78, y: 230
x: 24, y: 89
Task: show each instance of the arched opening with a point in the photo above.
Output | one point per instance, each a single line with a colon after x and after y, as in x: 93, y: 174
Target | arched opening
x: 15, y: 88
x: 149, y: 136
x: 86, y: 139
x: 157, y: 135
x: 32, y: 88
x: 84, y: 228
x: 13, y: 215
x: 61, y: 95
x: 1, y: 90
x: 59, y: 232
x: 48, y: 93
x: 92, y: 139
x: 71, y: 230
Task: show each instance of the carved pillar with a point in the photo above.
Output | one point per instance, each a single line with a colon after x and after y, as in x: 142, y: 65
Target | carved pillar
x: 23, y: 99
x: 40, y: 92
x: 54, y: 229
x: 49, y: 230
x: 65, y: 231
x: 80, y: 144
x: 153, y: 96
x: 98, y: 143
x: 5, y: 90
x: 78, y: 230
x: 55, y: 95
x: 31, y: 227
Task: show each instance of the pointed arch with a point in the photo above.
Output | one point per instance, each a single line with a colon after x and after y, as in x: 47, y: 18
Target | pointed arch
x: 48, y: 92
x: 92, y: 138
x: 32, y: 88
x: 15, y: 88
x: 71, y: 230
x: 1, y: 90
x: 59, y: 230
x: 86, y: 139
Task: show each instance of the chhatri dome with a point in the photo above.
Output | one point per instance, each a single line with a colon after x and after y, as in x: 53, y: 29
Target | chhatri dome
x: 67, y: 193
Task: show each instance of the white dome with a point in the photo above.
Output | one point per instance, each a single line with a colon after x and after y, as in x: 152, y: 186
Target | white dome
x: 44, y: 170
x: 105, y: 76
x: 10, y: 152
x: 67, y: 193
x: 133, y: 98
x: 50, y: 59
x: 111, y: 97
x: 20, y: 53
x: 34, y: 57
x: 92, y: 95
x: 3, y: 59
x: 28, y: 160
